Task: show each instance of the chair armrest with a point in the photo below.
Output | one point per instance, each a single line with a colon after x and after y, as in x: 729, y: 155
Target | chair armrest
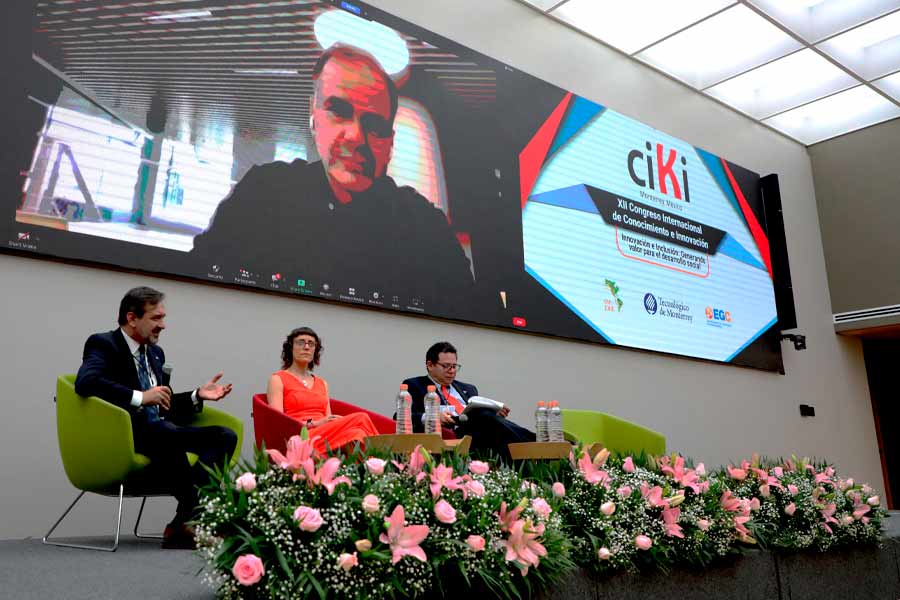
x: 214, y: 416
x: 272, y: 427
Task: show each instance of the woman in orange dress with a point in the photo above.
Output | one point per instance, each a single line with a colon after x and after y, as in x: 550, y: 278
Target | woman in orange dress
x: 303, y: 396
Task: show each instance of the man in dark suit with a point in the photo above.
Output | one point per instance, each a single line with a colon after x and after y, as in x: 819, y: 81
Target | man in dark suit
x: 125, y: 367
x: 491, y: 431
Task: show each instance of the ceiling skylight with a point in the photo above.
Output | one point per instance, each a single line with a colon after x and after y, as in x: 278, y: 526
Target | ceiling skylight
x: 811, y: 69
x: 720, y: 47
x: 631, y: 26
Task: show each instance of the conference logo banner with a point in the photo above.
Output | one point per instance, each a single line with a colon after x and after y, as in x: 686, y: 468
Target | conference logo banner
x: 605, y: 197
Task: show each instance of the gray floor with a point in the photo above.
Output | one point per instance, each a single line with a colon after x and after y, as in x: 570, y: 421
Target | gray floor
x: 139, y: 569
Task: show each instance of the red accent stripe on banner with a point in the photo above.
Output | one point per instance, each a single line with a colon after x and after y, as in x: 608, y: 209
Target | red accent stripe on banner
x: 759, y: 236
x: 532, y: 157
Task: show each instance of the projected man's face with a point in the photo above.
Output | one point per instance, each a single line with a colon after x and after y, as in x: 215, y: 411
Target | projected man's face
x: 351, y: 118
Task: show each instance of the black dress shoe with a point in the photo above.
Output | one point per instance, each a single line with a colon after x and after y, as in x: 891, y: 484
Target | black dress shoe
x: 178, y: 537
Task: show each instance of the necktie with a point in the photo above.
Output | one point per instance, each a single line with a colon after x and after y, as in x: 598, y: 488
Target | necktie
x: 152, y: 412
x: 451, y: 400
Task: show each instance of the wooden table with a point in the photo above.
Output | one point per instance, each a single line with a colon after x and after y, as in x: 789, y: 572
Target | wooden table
x: 540, y: 450
x: 406, y: 443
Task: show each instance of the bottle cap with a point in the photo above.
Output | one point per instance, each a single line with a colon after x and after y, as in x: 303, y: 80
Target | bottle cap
x: 554, y: 403
x: 541, y: 403
x: 431, y: 388
x: 404, y: 386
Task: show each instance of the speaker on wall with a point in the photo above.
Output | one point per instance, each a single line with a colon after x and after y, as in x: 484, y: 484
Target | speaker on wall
x: 781, y: 268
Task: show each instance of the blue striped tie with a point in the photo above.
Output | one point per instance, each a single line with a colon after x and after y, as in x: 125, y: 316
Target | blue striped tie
x: 152, y: 412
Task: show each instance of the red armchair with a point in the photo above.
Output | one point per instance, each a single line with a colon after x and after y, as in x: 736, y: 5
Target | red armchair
x: 274, y: 427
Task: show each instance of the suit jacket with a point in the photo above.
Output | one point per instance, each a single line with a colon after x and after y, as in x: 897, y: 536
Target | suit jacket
x: 108, y: 372
x: 418, y: 387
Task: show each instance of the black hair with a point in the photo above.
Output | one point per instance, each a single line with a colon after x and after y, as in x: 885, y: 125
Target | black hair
x: 287, y: 349
x: 137, y: 300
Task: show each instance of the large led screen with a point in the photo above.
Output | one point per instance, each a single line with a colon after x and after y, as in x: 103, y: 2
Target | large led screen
x: 330, y: 150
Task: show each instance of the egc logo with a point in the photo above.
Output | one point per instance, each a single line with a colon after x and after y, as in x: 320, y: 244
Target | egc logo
x: 650, y: 303
x: 718, y: 317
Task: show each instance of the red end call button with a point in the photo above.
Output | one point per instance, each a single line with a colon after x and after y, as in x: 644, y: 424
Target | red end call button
x: 519, y: 322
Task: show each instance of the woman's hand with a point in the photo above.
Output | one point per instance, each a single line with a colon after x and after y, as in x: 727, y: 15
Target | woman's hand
x: 323, y: 420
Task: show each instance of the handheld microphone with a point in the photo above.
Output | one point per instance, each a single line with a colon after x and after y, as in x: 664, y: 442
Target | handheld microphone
x: 167, y: 374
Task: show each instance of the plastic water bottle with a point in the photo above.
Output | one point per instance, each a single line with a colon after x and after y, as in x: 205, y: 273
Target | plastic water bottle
x: 404, y: 410
x: 554, y: 423
x: 540, y: 422
x: 432, y: 411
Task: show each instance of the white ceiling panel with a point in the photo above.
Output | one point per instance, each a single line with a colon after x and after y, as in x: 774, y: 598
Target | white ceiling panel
x: 783, y: 84
x: 890, y: 85
x: 814, y: 20
x: 871, y: 50
x: 722, y: 46
x: 631, y: 26
x: 841, y: 113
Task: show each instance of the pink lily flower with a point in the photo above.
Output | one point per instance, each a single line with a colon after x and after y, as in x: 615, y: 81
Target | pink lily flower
x: 299, y: 451
x: 522, y: 545
x: 325, y: 475
x: 404, y: 540
x: 828, y: 515
x: 729, y: 502
x: 590, y: 471
x: 628, y: 465
x: 860, y: 510
x: 743, y: 532
x: 508, y: 518
x: 792, y: 489
x: 686, y: 477
x: 779, y: 472
x: 670, y: 518
x: 736, y: 474
x: 442, y: 477
x: 653, y: 495
x: 417, y: 459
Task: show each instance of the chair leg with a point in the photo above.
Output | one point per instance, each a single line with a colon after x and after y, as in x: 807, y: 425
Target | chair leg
x: 46, y: 538
x: 144, y: 536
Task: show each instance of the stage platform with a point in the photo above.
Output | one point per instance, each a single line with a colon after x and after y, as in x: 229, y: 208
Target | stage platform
x: 140, y: 570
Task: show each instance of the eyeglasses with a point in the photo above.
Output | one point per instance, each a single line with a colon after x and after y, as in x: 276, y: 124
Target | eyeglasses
x: 450, y: 366
x: 305, y: 343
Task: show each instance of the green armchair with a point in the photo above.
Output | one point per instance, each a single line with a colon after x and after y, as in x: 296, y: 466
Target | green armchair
x: 97, y: 450
x: 618, y: 435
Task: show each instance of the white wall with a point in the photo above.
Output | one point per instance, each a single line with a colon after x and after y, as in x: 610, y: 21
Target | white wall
x: 711, y: 412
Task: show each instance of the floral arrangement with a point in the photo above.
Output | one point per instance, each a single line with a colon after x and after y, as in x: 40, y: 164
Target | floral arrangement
x: 629, y: 513
x: 360, y: 526
x: 366, y: 526
x: 798, y: 505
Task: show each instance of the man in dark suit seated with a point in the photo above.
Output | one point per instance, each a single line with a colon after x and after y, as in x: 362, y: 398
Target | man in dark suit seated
x: 491, y: 431
x: 125, y: 367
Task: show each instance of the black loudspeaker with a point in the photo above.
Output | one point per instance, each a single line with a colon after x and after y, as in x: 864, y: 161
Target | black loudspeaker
x: 781, y: 268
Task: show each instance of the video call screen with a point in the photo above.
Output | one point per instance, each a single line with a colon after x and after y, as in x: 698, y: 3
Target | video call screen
x: 327, y: 149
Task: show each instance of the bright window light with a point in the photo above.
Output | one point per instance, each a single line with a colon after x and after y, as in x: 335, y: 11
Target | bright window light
x: 385, y: 44
x: 890, y: 84
x: 276, y: 72
x: 193, y: 178
x: 871, y: 50
x: 814, y: 20
x: 722, y: 46
x: 829, y: 117
x: 180, y: 15
x: 417, y: 159
x: 783, y: 84
x: 630, y: 26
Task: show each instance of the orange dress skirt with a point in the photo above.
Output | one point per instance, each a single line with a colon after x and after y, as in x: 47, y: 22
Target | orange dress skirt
x: 302, y: 404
